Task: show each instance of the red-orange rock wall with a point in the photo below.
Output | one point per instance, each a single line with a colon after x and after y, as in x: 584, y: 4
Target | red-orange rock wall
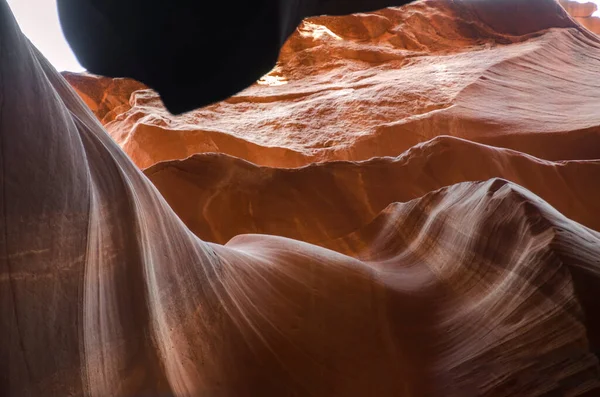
x: 405, y: 206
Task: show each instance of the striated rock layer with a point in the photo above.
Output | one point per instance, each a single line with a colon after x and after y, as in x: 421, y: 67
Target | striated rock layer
x: 368, y: 85
x: 434, y: 273
x: 219, y: 197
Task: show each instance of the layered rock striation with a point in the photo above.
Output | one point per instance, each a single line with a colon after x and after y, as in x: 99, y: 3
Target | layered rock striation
x: 405, y: 206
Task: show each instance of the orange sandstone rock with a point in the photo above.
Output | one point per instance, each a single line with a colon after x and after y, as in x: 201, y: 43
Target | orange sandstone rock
x: 220, y: 197
x: 578, y: 9
x: 420, y: 274
x: 368, y: 85
x: 104, y: 96
x: 583, y: 13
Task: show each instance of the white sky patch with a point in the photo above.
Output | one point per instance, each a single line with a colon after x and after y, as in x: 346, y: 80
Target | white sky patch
x: 38, y: 20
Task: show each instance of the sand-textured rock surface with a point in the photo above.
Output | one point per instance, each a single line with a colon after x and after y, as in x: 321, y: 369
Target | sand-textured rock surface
x: 368, y: 85
x: 106, y: 97
x: 583, y: 13
x: 457, y: 266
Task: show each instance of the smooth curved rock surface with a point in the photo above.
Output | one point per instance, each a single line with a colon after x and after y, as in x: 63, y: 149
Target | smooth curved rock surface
x: 479, y: 288
x: 369, y: 85
x: 219, y: 196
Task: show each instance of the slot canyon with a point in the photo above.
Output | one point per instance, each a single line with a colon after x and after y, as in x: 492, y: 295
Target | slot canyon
x: 407, y: 204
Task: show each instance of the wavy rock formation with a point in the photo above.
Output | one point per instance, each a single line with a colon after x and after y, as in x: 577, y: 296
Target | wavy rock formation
x: 583, y: 13
x: 368, y: 85
x: 433, y: 273
x: 219, y: 196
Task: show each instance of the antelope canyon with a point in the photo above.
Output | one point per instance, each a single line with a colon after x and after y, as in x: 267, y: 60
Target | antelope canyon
x: 406, y: 205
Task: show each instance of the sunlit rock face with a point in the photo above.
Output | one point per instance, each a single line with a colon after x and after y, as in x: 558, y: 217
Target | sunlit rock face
x: 583, y: 13
x: 106, y: 97
x: 457, y: 254
x: 219, y: 196
x: 368, y: 85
